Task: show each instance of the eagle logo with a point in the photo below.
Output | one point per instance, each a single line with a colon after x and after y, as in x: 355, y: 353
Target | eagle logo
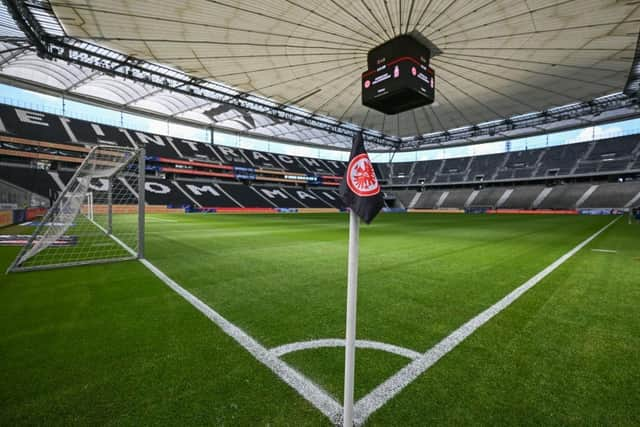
x: 361, y: 178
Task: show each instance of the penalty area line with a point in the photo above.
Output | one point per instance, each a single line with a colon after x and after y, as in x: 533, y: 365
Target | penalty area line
x: 311, y: 392
x: 396, y: 383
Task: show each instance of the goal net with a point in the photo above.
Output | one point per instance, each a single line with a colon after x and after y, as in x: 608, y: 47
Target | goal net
x: 98, y: 217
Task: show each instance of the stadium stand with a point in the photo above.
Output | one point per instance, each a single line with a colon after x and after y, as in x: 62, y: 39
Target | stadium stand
x: 308, y: 198
x: 520, y: 164
x: 383, y: 171
x: 614, y: 165
x: 261, y: 159
x: 315, y: 166
x: 590, y: 168
x: 31, y: 179
x: 424, y: 172
x: 205, y: 194
x: 564, y: 196
x: 613, y: 195
x: 336, y: 166
x: 483, y: 168
x: 228, y: 155
x: 456, y: 198
x: 522, y: 197
x: 401, y: 172
x: 612, y: 154
x: 156, y: 145
x: 453, y: 170
x: 278, y: 196
x: 245, y: 195
x: 163, y: 192
x: 405, y: 197
x: 561, y: 160
x: 329, y: 196
x: 614, y: 147
x: 559, y: 197
x: 190, y: 173
x: 429, y: 199
x: 290, y: 163
x: 488, y: 197
x: 195, y: 150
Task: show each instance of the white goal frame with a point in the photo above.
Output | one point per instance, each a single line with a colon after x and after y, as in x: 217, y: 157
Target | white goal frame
x: 86, y: 209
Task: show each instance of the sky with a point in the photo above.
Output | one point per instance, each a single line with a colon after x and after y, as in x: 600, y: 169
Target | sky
x: 56, y: 105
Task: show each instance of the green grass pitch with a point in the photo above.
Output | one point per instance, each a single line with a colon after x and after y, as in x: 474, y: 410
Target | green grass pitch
x: 111, y: 344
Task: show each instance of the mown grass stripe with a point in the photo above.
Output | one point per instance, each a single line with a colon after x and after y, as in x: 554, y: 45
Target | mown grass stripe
x: 306, y: 388
x: 392, y: 386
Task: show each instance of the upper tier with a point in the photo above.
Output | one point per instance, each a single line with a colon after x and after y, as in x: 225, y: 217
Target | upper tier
x: 177, y: 155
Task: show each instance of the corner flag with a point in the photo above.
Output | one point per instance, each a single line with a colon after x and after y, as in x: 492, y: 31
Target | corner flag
x: 360, y: 191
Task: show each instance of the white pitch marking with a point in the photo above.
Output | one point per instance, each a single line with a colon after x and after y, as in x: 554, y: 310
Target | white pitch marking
x: 394, y: 384
x: 339, y: 342
x: 114, y: 238
x: 160, y: 219
x: 305, y: 387
x: 608, y: 251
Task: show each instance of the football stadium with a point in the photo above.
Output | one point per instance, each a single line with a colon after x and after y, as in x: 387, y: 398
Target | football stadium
x: 320, y: 212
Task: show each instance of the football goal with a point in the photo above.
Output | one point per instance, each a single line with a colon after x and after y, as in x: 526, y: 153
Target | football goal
x: 98, y: 217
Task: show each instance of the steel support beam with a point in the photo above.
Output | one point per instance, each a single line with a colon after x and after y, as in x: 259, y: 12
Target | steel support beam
x: 112, y: 63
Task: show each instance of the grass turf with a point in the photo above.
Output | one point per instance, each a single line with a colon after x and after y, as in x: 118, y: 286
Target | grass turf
x: 111, y: 343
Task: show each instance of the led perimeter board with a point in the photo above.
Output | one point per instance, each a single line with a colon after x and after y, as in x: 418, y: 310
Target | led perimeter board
x: 399, y: 77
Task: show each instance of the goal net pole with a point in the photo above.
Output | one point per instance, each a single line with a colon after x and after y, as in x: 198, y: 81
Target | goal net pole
x: 90, y: 205
x: 142, y: 166
x: 110, y: 206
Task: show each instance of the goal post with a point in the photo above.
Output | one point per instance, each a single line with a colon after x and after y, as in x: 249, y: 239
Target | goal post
x: 90, y: 206
x: 98, y: 217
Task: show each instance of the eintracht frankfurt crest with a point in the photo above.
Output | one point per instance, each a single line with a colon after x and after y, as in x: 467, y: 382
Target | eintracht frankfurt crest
x: 360, y: 189
x: 361, y: 178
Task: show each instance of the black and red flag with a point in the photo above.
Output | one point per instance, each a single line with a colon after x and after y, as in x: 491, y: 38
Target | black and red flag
x: 360, y: 189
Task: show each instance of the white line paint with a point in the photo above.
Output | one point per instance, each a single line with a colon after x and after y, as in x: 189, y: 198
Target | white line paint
x: 315, y: 395
x: 339, y: 342
x: 608, y: 251
x: 153, y: 219
x: 114, y: 238
x: 305, y: 387
x: 392, y: 386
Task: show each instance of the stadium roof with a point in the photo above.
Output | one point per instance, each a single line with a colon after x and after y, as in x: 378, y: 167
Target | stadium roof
x: 300, y: 61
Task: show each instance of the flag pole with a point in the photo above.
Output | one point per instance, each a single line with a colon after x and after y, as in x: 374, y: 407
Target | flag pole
x: 352, y: 296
